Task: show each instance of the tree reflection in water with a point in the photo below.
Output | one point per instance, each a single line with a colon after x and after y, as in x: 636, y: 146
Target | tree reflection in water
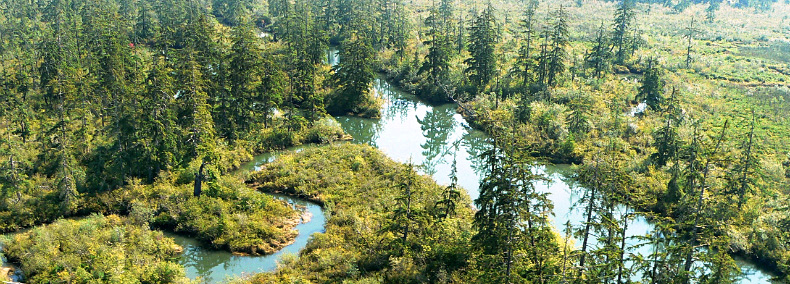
x: 437, y: 127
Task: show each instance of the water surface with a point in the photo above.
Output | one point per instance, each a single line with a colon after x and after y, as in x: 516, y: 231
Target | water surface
x: 431, y: 137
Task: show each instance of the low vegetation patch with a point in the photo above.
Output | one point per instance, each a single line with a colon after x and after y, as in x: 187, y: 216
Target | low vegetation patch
x: 386, y: 222
x: 96, y: 249
x: 227, y: 215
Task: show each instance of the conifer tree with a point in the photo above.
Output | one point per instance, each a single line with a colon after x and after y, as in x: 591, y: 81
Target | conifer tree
x: 235, y: 109
x: 710, y: 12
x: 447, y: 206
x: 623, y: 20
x: 525, y: 62
x: 483, y: 37
x: 407, y: 217
x: 743, y: 175
x: 352, y: 77
x: 652, y: 86
x: 555, y: 63
x: 437, y: 61
x: 598, y: 58
x: 666, y: 138
x: 697, y: 184
x: 513, y: 216
x: 158, y: 125
x: 578, y: 120
x: 197, y: 125
x: 690, y: 32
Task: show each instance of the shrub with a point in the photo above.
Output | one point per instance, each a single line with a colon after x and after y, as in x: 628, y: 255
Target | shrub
x: 96, y: 249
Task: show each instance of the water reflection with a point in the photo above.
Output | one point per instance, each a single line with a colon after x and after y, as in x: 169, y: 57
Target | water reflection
x: 396, y: 105
x: 410, y: 130
x: 436, y: 126
x: 475, y: 143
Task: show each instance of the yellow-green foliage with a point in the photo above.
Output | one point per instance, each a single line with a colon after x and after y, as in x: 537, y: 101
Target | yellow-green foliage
x: 96, y: 249
x: 739, y: 64
x: 228, y: 215
x: 322, y: 131
x: 359, y: 186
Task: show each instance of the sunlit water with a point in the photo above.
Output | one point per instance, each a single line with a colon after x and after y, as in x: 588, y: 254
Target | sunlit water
x: 215, y: 266
x: 412, y: 131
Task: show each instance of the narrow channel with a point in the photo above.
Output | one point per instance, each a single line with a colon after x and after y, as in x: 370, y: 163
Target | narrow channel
x: 412, y: 131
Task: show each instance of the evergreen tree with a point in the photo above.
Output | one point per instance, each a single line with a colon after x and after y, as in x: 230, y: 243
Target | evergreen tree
x: 578, y: 120
x: 483, y: 37
x: 710, y: 12
x: 742, y: 178
x: 605, y: 180
x: 437, y: 61
x: 401, y: 29
x: 197, y: 125
x: 147, y: 28
x: 690, y: 31
x: 623, y: 20
x: 307, y: 43
x: 513, y: 216
x: 698, y: 182
x: 447, y: 206
x: 407, y: 217
x: 352, y: 77
x: 598, y: 57
x: 158, y: 126
x: 235, y: 113
x: 652, y: 86
x: 556, y: 55
x: 525, y: 62
x: 666, y: 138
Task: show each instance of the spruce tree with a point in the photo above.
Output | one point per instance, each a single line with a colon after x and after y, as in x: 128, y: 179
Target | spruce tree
x: 690, y: 32
x: 352, y: 77
x: 598, y: 58
x: 652, y: 86
x: 525, y: 62
x: 483, y: 37
x: 437, y: 61
x: 623, y: 21
x: 666, y: 139
x: 555, y: 63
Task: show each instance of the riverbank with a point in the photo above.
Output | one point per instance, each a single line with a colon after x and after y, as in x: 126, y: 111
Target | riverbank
x: 360, y: 187
x: 96, y: 248
x: 427, y: 118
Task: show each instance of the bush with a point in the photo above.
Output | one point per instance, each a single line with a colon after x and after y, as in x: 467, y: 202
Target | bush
x: 360, y: 188
x: 227, y: 216
x: 96, y: 249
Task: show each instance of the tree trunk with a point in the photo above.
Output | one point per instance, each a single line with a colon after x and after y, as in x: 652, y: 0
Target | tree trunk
x: 744, y: 183
x: 199, y: 180
x: 700, y: 199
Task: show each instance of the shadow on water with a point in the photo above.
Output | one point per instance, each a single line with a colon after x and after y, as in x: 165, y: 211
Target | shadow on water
x: 215, y: 266
x: 410, y: 130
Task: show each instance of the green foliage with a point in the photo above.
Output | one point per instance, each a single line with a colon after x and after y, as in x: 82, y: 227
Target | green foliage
x: 483, y: 37
x: 651, y: 91
x: 227, y: 216
x: 513, y: 221
x: 352, y: 78
x: 556, y: 54
x: 598, y: 58
x: 369, y: 200
x: 786, y: 165
x: 95, y: 249
x: 118, y: 91
x: 621, y: 36
x: 437, y: 62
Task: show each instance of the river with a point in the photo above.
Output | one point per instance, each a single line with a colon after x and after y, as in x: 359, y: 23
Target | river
x: 410, y: 130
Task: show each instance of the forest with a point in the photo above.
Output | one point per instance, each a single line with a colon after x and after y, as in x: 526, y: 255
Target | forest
x: 124, y: 123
